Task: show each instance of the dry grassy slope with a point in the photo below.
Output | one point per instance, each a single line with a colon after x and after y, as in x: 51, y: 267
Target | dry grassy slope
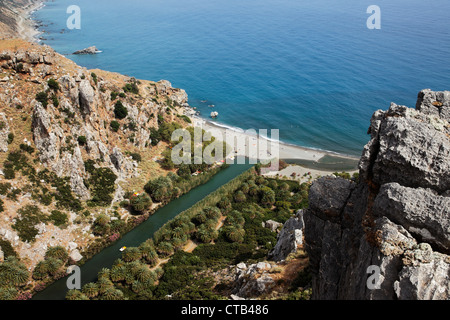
x: 17, y: 101
x: 9, y: 16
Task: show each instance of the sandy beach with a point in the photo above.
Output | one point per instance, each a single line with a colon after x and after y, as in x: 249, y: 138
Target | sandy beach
x: 286, y: 151
x: 25, y: 25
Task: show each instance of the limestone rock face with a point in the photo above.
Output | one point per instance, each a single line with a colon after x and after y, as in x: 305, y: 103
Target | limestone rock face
x: 4, y: 132
x: 289, y: 238
x: 396, y: 219
x: 86, y: 96
x: 252, y: 280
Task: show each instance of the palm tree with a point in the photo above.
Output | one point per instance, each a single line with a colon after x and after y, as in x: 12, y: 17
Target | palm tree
x: 112, y: 294
x: 76, y: 295
x: 40, y: 270
x: 129, y: 278
x: 57, y: 252
x: 199, y: 218
x: 90, y: 290
x: 53, y: 265
x: 118, y: 273
x: 145, y: 249
x: 239, y: 196
x: 131, y: 254
x: 8, y: 293
x: 152, y: 257
x: 212, y: 212
x: 143, y: 274
x: 177, y: 232
x: 134, y: 267
x: 104, y: 273
x: 234, y: 233
x: 165, y: 248
x: 20, y: 277
x: 104, y: 284
x: 178, y: 243
x: 137, y: 286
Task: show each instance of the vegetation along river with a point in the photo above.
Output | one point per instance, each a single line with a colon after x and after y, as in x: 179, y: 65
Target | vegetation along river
x: 105, y: 258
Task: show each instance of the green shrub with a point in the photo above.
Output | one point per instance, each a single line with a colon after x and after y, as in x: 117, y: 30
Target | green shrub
x: 102, y: 185
x: 57, y: 252
x: 136, y: 156
x: 58, y: 218
x: 10, y: 138
x: 26, y: 148
x: 114, y: 95
x: 94, y: 77
x: 42, y: 97
x: 141, y: 202
x: 120, y: 111
x: 25, y: 225
x: 114, y: 125
x: 53, y: 84
x: 55, y: 100
x: 4, y: 187
x: 82, y: 140
x: 7, y: 248
x: 131, y: 87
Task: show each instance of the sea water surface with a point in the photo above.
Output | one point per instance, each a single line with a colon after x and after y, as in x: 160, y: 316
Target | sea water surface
x: 311, y: 69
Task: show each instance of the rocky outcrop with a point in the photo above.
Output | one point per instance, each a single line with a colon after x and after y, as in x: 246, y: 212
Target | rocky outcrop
x: 4, y: 132
x: 90, y: 50
x: 289, y: 238
x: 387, y: 236
x: 252, y: 280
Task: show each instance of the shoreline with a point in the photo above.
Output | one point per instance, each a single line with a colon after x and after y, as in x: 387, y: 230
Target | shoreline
x: 27, y: 30
x: 287, y: 152
x: 26, y: 26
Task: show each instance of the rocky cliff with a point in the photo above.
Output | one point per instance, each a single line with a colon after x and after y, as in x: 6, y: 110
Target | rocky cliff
x: 59, y: 116
x: 388, y: 236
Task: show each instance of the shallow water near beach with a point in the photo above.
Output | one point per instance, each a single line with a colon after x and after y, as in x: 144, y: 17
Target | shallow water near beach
x: 311, y: 69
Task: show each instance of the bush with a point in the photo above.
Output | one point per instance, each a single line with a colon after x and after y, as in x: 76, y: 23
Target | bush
x: 102, y: 185
x: 10, y: 138
x: 136, y: 156
x: 42, y: 97
x: 140, y: 202
x: 58, y: 218
x: 57, y: 252
x: 55, y: 101
x: 82, y: 140
x: 120, y: 111
x: 29, y: 217
x: 115, y: 126
x: 131, y: 87
x: 94, y: 77
x: 26, y: 148
x: 114, y: 95
x: 53, y: 84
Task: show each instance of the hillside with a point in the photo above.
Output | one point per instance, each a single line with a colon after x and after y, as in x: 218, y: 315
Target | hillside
x: 72, y: 141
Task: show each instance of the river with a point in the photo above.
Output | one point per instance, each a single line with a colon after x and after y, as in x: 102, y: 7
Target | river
x: 106, y: 258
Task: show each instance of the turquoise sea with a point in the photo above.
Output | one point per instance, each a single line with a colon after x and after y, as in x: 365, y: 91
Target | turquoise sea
x: 309, y: 68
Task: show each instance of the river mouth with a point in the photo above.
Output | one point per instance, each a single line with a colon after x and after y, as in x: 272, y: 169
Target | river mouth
x: 106, y: 257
